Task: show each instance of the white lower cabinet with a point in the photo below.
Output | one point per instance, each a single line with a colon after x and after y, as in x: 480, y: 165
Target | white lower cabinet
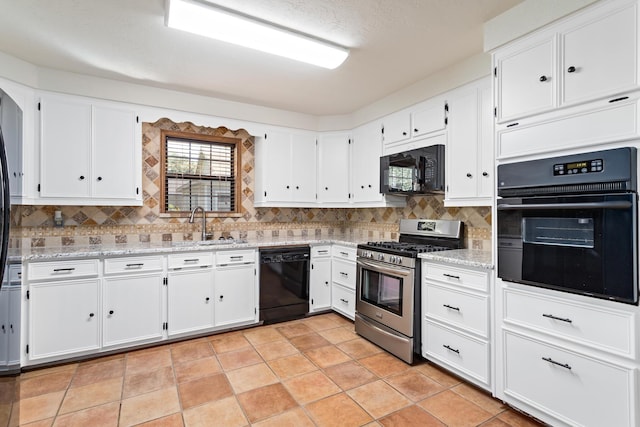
x: 64, y: 318
x: 456, y: 331
x: 10, y: 327
x: 460, y: 352
x: 568, y: 360
x: 320, y: 279
x: 235, y: 288
x: 576, y: 389
x: 132, y: 301
x: 190, y: 293
x: 343, y: 280
x: 343, y: 300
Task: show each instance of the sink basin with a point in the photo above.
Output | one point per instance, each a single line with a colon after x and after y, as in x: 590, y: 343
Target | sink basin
x: 208, y: 242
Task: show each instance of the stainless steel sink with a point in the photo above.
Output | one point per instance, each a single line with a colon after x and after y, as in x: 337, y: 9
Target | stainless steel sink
x: 209, y: 242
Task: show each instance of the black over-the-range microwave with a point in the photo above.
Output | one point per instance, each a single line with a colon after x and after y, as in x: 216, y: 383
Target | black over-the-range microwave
x: 419, y: 171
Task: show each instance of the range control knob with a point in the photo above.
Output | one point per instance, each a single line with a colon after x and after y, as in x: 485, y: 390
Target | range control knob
x: 381, y: 257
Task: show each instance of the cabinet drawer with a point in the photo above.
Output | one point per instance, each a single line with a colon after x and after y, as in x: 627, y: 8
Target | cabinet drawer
x: 235, y: 257
x: 320, y: 251
x: 344, y: 273
x: 190, y: 260
x: 456, y: 276
x: 343, y: 252
x: 468, y: 355
x: 577, y: 389
x: 132, y: 264
x: 592, y: 325
x: 343, y: 300
x: 63, y: 269
x: 457, y: 308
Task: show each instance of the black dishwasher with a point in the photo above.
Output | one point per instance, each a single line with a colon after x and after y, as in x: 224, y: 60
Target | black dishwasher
x: 284, y: 283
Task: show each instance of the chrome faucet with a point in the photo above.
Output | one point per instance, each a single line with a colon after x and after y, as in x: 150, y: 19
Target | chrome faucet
x: 204, y: 220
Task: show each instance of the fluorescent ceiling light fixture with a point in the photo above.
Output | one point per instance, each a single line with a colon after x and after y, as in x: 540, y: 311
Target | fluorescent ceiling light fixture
x: 218, y: 23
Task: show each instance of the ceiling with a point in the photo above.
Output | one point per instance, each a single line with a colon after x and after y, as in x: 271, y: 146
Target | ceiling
x: 394, y: 43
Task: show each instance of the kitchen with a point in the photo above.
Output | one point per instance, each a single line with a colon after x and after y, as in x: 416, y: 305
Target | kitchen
x: 85, y: 225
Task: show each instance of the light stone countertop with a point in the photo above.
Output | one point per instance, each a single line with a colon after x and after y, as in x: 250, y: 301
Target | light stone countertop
x: 95, y: 251
x: 463, y: 257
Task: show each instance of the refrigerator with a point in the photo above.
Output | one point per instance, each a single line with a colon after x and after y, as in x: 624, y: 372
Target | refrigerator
x: 10, y: 287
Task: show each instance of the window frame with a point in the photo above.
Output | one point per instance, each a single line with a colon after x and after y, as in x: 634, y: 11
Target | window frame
x: 201, y: 138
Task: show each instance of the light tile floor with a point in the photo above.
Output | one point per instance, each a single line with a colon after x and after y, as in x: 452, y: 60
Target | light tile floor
x: 309, y: 372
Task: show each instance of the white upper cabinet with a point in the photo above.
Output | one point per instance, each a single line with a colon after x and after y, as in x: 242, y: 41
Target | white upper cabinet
x: 285, y: 168
x: 526, y: 80
x: 600, y: 58
x: 397, y: 127
x: 427, y: 117
x: 470, y: 159
x: 11, y: 123
x: 366, y: 149
x: 333, y: 167
x: 89, y: 152
x: 114, y: 130
x: 17, y: 117
x: 588, y: 56
x: 414, y: 127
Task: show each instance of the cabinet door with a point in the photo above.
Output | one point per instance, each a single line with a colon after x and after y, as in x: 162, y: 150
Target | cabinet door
x: 65, y: 147
x: 320, y: 285
x: 63, y: 318
x: 601, y: 57
x: 277, y: 166
x: 485, y: 153
x: 132, y: 309
x: 526, y: 80
x: 333, y: 156
x: 11, y: 121
x: 115, y: 159
x: 428, y: 117
x: 303, y: 167
x: 397, y: 127
x: 190, y: 300
x: 4, y: 326
x: 15, y: 301
x: 366, y: 149
x: 235, y: 297
x: 462, y: 180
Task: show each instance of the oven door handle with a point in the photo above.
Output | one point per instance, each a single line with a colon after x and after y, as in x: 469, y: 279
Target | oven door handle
x: 622, y: 204
x: 401, y: 271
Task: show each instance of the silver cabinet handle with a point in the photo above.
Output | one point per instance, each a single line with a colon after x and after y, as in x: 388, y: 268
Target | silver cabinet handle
x: 451, y: 276
x: 63, y: 270
x: 562, y: 319
x: 136, y: 265
x: 451, y: 307
x: 344, y: 300
x: 456, y: 351
x: 562, y: 365
x: 191, y: 260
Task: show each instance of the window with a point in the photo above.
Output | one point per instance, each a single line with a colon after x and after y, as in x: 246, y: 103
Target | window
x: 199, y: 170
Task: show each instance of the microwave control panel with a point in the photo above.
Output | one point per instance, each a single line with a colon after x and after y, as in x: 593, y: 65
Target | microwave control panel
x: 572, y: 168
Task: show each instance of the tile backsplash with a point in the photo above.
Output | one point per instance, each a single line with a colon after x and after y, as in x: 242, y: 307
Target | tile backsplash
x: 32, y: 226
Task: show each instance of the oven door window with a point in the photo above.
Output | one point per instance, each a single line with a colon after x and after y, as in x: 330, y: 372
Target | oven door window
x: 588, y: 250
x: 382, y: 290
x: 570, y: 232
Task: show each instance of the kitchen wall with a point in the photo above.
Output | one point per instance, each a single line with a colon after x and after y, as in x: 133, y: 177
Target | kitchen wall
x: 87, y: 225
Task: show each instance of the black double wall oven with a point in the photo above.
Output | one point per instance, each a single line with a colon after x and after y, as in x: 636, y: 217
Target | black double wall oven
x: 570, y: 224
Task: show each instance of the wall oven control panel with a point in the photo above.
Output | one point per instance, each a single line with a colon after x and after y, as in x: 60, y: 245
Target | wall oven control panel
x: 586, y: 166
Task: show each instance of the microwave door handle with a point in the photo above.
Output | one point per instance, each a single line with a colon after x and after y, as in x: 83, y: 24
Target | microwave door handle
x: 549, y: 206
x: 377, y: 267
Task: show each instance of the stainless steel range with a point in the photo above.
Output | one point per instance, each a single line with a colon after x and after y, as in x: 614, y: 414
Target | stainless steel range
x: 388, y: 291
